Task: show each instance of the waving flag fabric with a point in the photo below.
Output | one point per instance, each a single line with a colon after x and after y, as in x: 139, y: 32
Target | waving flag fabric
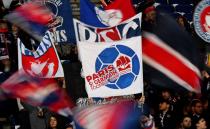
x: 125, y: 30
x: 113, y: 14
x: 121, y: 115
x: 87, y: 7
x: 173, y: 54
x: 38, y: 92
x: 44, y: 62
x: 32, y: 18
x: 121, y: 9
x: 112, y: 68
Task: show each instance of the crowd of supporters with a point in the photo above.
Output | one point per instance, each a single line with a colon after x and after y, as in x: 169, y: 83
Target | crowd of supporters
x: 170, y: 109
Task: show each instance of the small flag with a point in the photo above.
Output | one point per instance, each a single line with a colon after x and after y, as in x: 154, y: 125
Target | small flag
x: 44, y: 62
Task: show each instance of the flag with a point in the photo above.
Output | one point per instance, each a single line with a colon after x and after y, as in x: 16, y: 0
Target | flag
x: 120, y: 115
x: 87, y: 7
x: 111, y: 15
x: 63, y: 23
x: 125, y: 30
x: 173, y: 55
x: 38, y: 92
x: 112, y: 68
x: 32, y: 18
x: 43, y: 62
x: 121, y: 9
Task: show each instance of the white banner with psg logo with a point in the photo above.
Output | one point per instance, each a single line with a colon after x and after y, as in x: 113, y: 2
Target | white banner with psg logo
x: 112, y: 68
x: 44, y: 62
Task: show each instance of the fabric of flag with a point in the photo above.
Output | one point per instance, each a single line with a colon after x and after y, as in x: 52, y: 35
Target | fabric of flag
x: 112, y: 68
x: 32, y: 18
x: 121, y: 9
x: 121, y: 115
x: 63, y: 22
x: 173, y: 55
x: 125, y: 30
x: 111, y: 15
x: 38, y: 92
x: 44, y: 62
x: 88, y: 13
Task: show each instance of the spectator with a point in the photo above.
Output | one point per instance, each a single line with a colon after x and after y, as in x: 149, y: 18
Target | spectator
x: 164, y: 119
x: 201, y: 123
x: 197, y: 111
x: 183, y: 23
x: 185, y: 123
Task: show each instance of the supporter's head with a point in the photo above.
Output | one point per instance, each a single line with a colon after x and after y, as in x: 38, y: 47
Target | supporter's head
x: 53, y: 122
x: 150, y: 14
x: 197, y: 107
x: 166, y: 94
x: 201, y: 124
x: 164, y: 105
x: 186, y: 122
x: 69, y: 126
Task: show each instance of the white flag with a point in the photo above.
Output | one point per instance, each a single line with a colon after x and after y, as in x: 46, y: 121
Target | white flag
x: 112, y: 68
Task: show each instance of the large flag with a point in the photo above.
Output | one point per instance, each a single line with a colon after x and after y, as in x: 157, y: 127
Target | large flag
x: 112, y: 68
x: 173, y: 55
x: 63, y: 22
x: 121, y: 115
x: 37, y: 92
x: 32, y: 18
x: 125, y: 30
x: 44, y: 62
x: 111, y: 15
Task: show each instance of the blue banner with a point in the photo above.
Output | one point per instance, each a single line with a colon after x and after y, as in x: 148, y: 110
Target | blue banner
x: 64, y: 20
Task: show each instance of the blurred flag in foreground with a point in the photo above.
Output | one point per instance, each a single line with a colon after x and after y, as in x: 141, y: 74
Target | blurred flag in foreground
x: 37, y: 92
x: 121, y: 115
x: 173, y: 55
x: 32, y: 18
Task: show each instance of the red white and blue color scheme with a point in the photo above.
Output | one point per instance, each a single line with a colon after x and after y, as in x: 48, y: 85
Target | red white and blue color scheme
x: 32, y: 18
x: 44, y: 62
x: 38, y: 92
x: 112, y: 68
x: 201, y: 20
x: 121, y: 115
x: 110, y: 15
x: 172, y: 56
x: 125, y: 30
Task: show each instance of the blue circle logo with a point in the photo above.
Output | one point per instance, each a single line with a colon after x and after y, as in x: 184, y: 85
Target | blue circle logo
x: 201, y: 20
x: 118, y: 66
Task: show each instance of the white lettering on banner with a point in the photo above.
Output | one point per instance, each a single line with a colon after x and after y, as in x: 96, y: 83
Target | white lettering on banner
x: 59, y: 35
x: 87, y: 33
x: 132, y: 25
x: 84, y: 31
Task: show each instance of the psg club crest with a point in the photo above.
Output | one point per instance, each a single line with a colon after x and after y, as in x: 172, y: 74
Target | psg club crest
x: 202, y: 20
x: 116, y: 67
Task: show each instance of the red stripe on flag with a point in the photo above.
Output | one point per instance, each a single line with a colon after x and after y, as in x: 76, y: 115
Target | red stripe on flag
x: 170, y: 62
